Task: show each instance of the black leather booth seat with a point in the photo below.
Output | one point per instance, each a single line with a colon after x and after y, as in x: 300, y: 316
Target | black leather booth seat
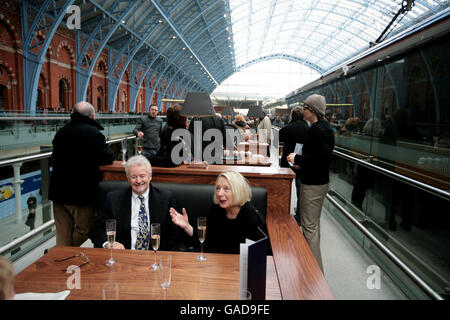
x: 195, y: 198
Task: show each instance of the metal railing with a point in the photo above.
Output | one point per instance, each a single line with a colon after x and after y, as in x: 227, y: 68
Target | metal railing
x: 50, y: 223
x: 413, y: 182
x: 410, y: 273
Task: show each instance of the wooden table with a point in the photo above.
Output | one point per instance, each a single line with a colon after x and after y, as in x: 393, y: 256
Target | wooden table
x: 214, y: 279
x: 297, y: 270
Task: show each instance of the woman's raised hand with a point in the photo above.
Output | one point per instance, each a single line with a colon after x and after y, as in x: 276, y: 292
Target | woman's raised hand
x: 181, y: 220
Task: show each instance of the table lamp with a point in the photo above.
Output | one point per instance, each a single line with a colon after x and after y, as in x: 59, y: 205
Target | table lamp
x: 255, y: 112
x: 198, y: 104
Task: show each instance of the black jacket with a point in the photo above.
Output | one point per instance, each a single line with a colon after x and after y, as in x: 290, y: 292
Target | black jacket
x: 118, y: 206
x: 316, y: 158
x: 164, y: 156
x: 79, y: 149
x: 225, y: 236
x: 209, y: 123
x: 151, y: 127
x: 291, y: 134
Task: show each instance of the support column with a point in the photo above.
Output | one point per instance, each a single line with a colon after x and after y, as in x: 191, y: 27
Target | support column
x: 17, y: 191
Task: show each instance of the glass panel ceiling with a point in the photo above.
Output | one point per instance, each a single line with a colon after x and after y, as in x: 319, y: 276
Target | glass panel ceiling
x: 323, y: 33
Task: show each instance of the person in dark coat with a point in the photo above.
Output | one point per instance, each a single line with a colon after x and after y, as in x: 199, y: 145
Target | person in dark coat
x: 164, y: 156
x: 215, y: 122
x: 79, y: 149
x: 314, y: 170
x: 231, y: 219
x: 291, y: 134
x: 149, y: 128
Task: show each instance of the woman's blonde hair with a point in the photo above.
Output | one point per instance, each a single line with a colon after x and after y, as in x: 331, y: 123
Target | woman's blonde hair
x: 239, y: 117
x: 239, y: 187
x: 6, y: 276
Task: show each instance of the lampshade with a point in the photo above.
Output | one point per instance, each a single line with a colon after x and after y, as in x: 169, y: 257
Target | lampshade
x: 228, y: 112
x: 255, y: 112
x: 197, y: 104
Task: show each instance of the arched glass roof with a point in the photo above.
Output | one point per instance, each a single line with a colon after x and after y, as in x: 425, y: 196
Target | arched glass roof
x: 318, y: 33
x: 194, y: 45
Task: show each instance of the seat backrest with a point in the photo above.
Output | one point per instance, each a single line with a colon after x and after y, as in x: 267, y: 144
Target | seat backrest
x: 195, y: 198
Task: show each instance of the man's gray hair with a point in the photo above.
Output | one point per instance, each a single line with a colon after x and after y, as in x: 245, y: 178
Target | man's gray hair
x: 138, y: 160
x: 84, y: 108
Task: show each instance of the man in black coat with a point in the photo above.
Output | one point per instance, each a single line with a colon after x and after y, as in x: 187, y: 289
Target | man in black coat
x: 314, y: 170
x: 291, y: 134
x: 79, y: 149
x: 215, y: 122
x: 125, y: 205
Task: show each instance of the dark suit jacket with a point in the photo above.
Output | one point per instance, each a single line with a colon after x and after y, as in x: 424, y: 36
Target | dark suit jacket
x: 118, y: 206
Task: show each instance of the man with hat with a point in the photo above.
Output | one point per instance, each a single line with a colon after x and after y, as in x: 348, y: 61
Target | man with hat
x: 314, y: 163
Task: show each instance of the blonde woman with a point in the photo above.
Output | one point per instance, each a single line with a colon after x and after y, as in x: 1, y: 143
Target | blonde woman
x: 232, y: 218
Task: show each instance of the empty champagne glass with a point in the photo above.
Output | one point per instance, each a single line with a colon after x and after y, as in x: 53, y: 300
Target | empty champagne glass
x: 111, y: 235
x: 155, y: 240
x: 110, y: 291
x: 124, y: 145
x: 165, y: 272
x: 140, y: 145
x: 201, y: 228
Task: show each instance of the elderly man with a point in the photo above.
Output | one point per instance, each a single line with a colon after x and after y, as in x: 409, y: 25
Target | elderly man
x: 135, y: 209
x: 79, y: 149
x: 314, y: 175
x: 149, y: 128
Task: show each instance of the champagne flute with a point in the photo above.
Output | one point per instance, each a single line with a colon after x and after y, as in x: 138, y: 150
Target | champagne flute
x: 124, y: 144
x: 140, y: 145
x: 165, y: 272
x: 111, y: 234
x: 110, y: 291
x: 201, y: 227
x: 155, y: 239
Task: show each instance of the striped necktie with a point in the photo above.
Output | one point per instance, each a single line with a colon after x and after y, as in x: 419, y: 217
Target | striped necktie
x: 142, y: 240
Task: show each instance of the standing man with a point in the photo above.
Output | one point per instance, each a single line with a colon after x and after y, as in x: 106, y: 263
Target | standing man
x: 291, y: 134
x: 149, y: 127
x: 314, y: 163
x: 79, y: 149
x: 135, y: 209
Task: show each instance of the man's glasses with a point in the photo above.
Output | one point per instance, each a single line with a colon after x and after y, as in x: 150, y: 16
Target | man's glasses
x: 81, y: 255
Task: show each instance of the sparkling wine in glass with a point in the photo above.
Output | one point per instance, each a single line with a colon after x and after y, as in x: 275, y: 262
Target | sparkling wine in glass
x: 201, y: 230
x: 111, y: 236
x: 140, y: 145
x: 155, y: 241
x: 124, y: 145
x: 165, y: 272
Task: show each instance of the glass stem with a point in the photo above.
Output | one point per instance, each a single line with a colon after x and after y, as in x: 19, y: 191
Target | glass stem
x: 111, y: 254
x: 165, y: 294
x: 201, y: 249
x: 155, y: 258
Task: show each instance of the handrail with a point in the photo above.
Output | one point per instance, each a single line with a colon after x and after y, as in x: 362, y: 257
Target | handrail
x: 49, y: 153
x: 415, y: 183
x: 26, y: 236
x: 424, y: 286
x: 66, y: 117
